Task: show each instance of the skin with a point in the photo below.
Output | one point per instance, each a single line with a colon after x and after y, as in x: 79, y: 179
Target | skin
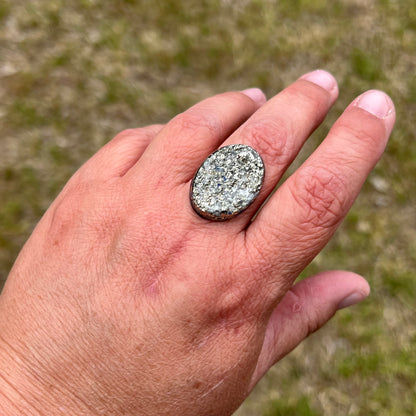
x: 125, y: 302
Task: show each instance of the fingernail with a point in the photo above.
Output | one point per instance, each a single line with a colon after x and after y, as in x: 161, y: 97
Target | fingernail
x: 352, y: 299
x: 375, y: 102
x: 322, y: 78
x: 256, y: 94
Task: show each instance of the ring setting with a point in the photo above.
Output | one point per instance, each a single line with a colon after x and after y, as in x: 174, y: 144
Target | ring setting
x: 227, y: 182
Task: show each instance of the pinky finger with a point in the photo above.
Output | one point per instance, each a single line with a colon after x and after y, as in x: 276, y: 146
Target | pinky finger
x: 119, y: 154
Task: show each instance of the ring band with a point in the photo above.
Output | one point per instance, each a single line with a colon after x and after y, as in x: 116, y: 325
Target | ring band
x: 227, y: 182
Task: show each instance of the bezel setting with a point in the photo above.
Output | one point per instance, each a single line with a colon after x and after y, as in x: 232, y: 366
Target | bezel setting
x: 227, y: 182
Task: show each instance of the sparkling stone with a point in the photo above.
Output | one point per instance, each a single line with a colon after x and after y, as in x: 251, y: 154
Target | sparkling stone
x: 227, y: 182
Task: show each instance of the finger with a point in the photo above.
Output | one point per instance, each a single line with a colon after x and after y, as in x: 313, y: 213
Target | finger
x: 306, y: 307
x: 120, y: 154
x: 278, y: 130
x: 305, y: 211
x: 114, y: 159
x: 190, y: 137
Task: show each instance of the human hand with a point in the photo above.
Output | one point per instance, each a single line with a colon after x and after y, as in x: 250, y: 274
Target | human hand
x: 124, y: 301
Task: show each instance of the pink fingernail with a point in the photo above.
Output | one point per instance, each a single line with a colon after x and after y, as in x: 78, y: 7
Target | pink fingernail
x: 352, y: 299
x: 256, y: 94
x: 375, y: 102
x: 322, y: 78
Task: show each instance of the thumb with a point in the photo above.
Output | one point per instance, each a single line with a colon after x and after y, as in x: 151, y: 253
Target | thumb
x: 306, y: 307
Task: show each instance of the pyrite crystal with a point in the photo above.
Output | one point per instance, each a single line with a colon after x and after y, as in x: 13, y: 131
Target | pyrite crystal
x: 227, y: 182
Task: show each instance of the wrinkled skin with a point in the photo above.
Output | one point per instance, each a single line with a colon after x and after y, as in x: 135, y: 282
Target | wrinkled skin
x: 125, y: 302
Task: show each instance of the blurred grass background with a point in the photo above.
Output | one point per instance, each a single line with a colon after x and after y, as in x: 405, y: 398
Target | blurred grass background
x: 73, y: 74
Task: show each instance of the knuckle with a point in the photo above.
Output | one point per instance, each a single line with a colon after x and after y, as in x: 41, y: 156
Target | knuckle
x: 87, y: 210
x: 71, y: 200
x: 125, y: 133
x: 233, y: 96
x: 237, y: 305
x: 242, y: 101
x: 358, y: 134
x: 231, y: 300
x: 194, y: 123
x: 271, y: 139
x: 299, y: 297
x: 62, y: 214
x: 321, y: 196
x: 153, y: 127
x: 144, y: 133
x: 149, y: 131
x: 66, y: 213
x: 311, y: 96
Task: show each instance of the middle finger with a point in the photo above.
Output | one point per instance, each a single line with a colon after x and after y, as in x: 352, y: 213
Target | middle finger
x: 279, y: 128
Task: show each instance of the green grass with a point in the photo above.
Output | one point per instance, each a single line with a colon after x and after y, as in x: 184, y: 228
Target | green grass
x: 281, y: 407
x: 75, y: 73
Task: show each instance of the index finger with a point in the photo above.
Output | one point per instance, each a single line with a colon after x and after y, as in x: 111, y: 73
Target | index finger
x: 302, y: 215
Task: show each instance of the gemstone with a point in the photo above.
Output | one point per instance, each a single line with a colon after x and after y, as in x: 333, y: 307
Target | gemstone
x: 227, y: 182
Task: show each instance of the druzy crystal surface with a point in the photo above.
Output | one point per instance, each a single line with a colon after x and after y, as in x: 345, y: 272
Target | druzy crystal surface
x: 227, y: 182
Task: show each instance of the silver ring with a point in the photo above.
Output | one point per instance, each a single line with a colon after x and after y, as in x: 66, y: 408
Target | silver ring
x: 227, y: 182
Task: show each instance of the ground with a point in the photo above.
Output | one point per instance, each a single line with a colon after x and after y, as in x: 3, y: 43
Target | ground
x: 73, y: 74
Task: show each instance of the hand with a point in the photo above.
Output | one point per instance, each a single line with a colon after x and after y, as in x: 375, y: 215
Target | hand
x: 125, y: 302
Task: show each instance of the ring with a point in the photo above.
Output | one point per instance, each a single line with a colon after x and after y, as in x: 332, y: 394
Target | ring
x: 227, y: 182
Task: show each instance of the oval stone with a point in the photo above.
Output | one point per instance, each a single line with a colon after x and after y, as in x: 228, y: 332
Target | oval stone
x: 227, y: 182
